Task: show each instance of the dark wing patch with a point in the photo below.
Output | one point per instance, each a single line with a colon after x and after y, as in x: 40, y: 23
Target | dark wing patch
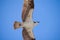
x: 26, y: 7
x: 25, y: 13
x: 26, y: 35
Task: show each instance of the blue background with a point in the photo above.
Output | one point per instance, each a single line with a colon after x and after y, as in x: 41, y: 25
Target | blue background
x: 46, y: 11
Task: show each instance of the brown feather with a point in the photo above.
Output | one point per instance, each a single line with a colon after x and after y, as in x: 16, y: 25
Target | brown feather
x: 26, y: 35
x: 17, y: 25
x: 26, y: 8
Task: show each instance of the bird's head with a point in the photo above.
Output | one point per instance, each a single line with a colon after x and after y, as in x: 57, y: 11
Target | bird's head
x: 37, y: 22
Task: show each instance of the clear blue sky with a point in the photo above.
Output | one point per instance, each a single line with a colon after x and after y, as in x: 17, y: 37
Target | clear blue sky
x: 46, y: 11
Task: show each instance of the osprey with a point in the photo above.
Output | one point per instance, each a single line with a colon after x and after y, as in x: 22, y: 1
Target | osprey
x: 28, y: 23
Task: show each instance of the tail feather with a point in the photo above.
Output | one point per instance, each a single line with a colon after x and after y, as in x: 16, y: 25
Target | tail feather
x: 17, y: 25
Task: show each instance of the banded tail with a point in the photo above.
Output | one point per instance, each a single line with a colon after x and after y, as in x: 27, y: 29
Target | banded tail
x: 17, y: 25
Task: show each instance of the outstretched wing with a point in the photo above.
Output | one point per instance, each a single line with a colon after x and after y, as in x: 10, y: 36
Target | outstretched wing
x: 28, y: 5
x: 26, y: 35
x: 29, y: 16
x: 26, y: 16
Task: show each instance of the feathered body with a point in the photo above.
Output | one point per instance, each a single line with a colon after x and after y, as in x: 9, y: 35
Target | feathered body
x: 28, y: 23
x: 27, y: 11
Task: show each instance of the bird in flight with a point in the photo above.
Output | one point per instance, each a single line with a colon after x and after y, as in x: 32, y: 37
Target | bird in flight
x: 27, y: 21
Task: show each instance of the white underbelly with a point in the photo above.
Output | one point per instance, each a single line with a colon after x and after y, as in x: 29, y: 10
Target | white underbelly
x: 28, y: 24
